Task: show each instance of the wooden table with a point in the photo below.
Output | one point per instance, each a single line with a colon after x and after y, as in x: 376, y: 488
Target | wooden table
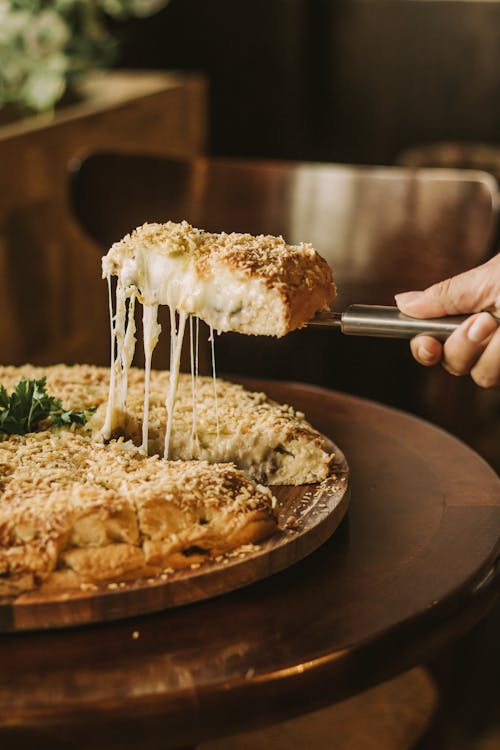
x: 414, y: 564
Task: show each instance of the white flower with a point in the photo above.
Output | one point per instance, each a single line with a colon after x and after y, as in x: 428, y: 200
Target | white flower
x: 12, y: 27
x: 124, y: 8
x: 46, y: 43
x: 46, y: 33
x: 43, y: 87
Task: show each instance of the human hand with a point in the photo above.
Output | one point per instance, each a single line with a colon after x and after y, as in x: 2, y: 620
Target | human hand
x: 474, y: 348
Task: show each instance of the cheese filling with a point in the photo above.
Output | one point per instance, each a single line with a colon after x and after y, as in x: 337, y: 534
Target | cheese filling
x: 225, y: 300
x: 176, y: 338
x: 151, y: 332
x: 193, y: 359
x: 237, y: 282
x: 122, y: 352
x: 214, y: 379
x: 170, y: 279
x: 156, y: 279
x: 173, y: 280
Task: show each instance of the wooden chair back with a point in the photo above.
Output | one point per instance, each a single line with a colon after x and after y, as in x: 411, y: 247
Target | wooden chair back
x: 383, y: 229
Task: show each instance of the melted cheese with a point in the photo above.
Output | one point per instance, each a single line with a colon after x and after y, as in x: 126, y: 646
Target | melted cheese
x: 232, y: 282
x: 171, y: 280
x: 214, y: 379
x: 122, y: 353
x: 223, y: 299
x: 176, y: 337
x: 194, y: 339
x: 144, y: 277
x: 151, y: 333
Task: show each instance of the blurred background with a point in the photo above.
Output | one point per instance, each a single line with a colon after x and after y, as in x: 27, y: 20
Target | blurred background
x: 356, y: 81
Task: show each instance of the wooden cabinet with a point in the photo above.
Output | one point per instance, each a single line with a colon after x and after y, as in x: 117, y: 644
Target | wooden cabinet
x: 53, y: 303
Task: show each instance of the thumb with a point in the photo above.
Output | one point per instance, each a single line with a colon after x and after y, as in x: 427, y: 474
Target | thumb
x: 468, y: 292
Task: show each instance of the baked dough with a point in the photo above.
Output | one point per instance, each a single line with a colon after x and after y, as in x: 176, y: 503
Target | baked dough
x: 234, y: 282
x: 75, y: 513
x: 273, y: 443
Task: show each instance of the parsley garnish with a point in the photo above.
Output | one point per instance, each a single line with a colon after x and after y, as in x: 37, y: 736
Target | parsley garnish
x: 29, y: 405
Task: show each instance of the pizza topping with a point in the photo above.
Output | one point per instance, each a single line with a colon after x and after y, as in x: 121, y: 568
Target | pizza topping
x: 29, y: 407
x: 234, y: 282
x: 74, y: 511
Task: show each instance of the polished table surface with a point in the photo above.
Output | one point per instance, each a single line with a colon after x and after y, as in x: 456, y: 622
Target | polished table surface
x: 413, y: 566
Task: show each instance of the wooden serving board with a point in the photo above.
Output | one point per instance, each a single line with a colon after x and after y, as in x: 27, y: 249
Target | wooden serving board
x: 307, y: 514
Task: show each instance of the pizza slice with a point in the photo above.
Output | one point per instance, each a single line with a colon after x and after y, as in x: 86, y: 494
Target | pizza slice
x: 234, y: 282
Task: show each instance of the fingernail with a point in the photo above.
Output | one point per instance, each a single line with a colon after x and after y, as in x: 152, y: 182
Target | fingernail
x: 407, y: 298
x: 426, y: 355
x: 482, y: 327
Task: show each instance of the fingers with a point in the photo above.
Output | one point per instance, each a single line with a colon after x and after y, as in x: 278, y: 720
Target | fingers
x: 433, y: 302
x: 486, y: 371
x: 474, y: 348
x: 426, y: 350
x: 468, y: 292
x: 465, y: 346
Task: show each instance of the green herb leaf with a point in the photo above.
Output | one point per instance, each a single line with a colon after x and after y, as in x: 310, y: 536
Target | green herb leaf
x: 29, y: 405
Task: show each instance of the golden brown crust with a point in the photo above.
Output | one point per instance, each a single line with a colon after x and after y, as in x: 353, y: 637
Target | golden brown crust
x: 294, y: 281
x: 264, y: 256
x: 272, y: 443
x: 75, y: 511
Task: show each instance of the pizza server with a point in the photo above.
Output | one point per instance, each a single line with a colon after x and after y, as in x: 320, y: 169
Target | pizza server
x: 386, y: 322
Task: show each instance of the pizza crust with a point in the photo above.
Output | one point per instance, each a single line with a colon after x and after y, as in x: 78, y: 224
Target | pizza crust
x: 76, y: 511
x: 234, y: 282
x: 67, y: 525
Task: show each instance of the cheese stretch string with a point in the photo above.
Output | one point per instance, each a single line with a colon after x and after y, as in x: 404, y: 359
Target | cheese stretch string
x: 123, y: 341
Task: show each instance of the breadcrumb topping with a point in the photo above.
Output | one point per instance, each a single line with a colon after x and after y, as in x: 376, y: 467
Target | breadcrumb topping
x: 78, y: 512
x: 272, y: 442
x: 265, y: 256
x: 69, y: 505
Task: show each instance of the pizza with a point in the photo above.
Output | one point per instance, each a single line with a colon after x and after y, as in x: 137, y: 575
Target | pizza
x: 138, y: 473
x: 234, y: 282
x: 75, y: 513
x: 77, y: 510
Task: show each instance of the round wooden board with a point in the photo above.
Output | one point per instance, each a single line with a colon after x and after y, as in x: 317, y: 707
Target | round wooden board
x: 307, y: 515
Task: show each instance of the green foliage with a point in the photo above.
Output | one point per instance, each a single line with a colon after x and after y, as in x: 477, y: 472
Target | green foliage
x: 30, y: 407
x: 47, y: 44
